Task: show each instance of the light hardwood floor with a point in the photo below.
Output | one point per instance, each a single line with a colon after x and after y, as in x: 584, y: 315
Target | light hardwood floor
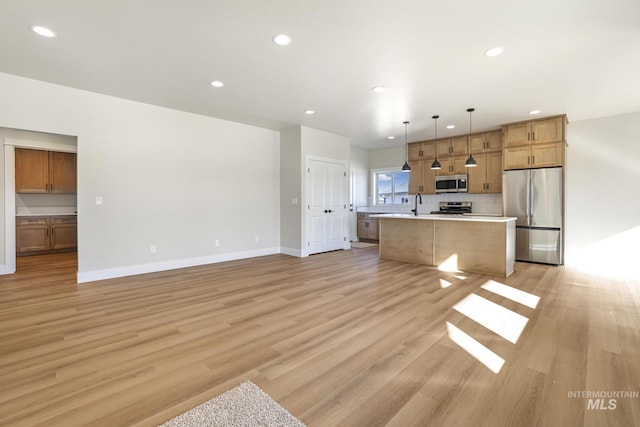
x: 341, y: 338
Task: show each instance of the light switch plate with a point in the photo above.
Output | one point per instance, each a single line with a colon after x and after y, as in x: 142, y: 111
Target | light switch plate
x: 98, y: 200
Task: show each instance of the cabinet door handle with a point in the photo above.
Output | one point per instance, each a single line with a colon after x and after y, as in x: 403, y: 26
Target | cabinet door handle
x: 528, y: 136
x: 533, y: 160
x: 420, y: 153
x: 528, y: 160
x: 533, y: 137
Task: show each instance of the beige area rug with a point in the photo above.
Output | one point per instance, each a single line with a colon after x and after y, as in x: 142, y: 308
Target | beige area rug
x: 245, y: 405
x: 361, y: 245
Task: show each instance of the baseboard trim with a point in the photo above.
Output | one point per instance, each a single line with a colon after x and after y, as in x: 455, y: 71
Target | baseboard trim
x: 112, y: 273
x: 291, y: 252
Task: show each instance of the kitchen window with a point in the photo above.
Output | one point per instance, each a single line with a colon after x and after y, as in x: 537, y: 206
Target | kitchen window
x: 391, y: 187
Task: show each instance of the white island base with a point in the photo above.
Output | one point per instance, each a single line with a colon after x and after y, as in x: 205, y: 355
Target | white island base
x: 479, y: 244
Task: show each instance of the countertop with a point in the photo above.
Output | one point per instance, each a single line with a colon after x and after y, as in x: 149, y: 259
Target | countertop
x: 440, y: 217
x: 48, y: 214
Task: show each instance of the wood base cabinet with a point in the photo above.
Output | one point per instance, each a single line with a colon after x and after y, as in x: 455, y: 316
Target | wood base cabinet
x: 36, y: 235
x: 367, y: 226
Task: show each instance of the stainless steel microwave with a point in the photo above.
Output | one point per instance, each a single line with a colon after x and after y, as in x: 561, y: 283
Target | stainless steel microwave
x: 451, y: 184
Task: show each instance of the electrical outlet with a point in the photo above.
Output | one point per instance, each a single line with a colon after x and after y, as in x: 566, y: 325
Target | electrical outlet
x: 153, y: 249
x: 217, y: 242
x: 257, y: 238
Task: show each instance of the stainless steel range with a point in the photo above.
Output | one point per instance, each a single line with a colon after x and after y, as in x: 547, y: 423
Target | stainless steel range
x: 453, y: 208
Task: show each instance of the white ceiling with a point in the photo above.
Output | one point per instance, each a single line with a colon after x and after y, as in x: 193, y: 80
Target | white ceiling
x: 580, y: 57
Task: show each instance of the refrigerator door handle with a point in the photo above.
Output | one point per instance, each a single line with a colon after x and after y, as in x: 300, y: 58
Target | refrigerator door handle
x: 530, y: 207
x: 529, y: 198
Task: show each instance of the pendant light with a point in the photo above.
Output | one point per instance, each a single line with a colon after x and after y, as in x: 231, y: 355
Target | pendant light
x: 436, y: 164
x: 471, y: 162
x: 406, y: 167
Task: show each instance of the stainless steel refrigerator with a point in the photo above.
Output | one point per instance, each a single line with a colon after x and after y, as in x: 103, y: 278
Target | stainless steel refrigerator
x: 535, y: 197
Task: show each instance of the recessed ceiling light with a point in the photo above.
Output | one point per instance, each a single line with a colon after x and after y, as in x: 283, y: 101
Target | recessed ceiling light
x: 43, y: 31
x: 217, y: 83
x: 379, y: 89
x: 282, y: 39
x: 451, y: 126
x: 534, y: 112
x: 391, y: 137
x: 494, y: 51
x: 309, y: 112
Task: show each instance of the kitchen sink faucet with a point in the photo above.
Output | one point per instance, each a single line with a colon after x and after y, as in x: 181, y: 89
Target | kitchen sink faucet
x: 415, y: 211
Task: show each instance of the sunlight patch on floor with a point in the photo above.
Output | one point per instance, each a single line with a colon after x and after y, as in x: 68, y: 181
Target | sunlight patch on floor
x: 504, y: 322
x: 485, y: 356
x: 522, y: 297
x: 445, y: 283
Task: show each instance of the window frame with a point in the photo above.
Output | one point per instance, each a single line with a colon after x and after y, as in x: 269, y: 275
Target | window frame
x: 374, y: 185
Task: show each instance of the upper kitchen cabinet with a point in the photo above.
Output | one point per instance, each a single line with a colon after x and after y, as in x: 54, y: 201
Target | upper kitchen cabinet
x: 422, y: 177
x: 486, y: 142
x: 39, y: 171
x: 486, y: 177
x: 456, y: 146
x: 421, y: 150
x: 534, y: 144
x: 452, y: 165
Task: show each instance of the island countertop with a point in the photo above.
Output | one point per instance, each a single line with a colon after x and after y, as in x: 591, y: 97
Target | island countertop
x: 445, y: 217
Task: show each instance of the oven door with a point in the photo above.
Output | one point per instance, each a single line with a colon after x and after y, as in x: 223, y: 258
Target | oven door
x: 446, y: 184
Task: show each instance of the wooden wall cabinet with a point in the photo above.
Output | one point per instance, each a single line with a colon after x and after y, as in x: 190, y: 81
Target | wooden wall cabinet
x: 452, y: 165
x: 456, y: 146
x: 39, y: 171
x: 486, y: 142
x: 46, y: 234
x: 367, y: 226
x: 421, y: 150
x: 486, y: 177
x: 534, y: 144
x: 422, y: 177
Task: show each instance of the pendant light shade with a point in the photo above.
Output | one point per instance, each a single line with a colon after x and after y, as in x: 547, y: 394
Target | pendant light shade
x: 406, y: 167
x: 471, y: 162
x: 436, y: 164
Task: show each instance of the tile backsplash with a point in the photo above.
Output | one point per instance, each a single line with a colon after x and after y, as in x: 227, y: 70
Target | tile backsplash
x: 486, y: 204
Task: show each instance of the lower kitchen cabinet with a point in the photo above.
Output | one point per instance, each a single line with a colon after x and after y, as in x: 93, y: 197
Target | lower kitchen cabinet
x: 367, y: 226
x: 37, y: 235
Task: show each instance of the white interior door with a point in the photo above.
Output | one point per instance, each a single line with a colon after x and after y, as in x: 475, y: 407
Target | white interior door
x: 327, y: 206
x: 316, y: 216
x: 336, y: 205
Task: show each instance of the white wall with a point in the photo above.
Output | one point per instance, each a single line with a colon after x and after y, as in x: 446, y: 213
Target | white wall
x: 167, y: 178
x: 291, y: 193
x: 360, y: 168
x: 603, y: 195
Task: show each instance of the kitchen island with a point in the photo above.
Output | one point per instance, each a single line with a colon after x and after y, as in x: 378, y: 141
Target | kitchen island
x: 472, y: 243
